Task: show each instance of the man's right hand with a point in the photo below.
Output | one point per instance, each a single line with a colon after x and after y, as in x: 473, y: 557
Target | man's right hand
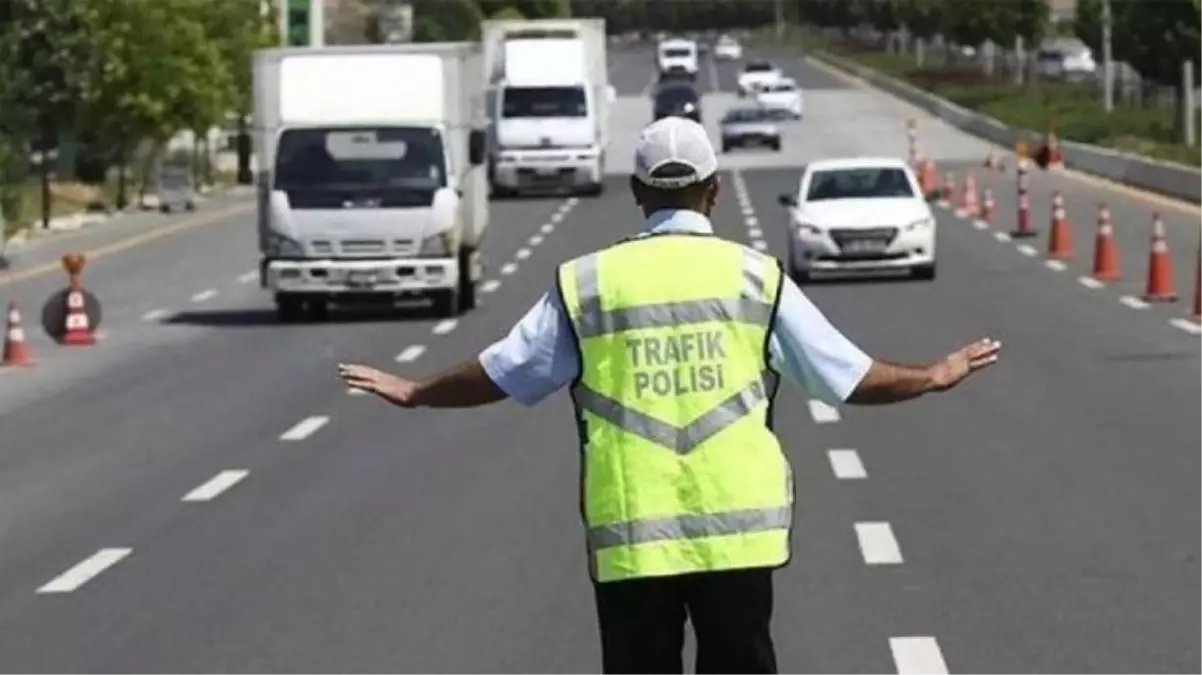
x: 957, y: 366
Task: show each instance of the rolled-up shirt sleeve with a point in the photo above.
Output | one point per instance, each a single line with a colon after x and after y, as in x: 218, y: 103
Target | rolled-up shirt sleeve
x: 806, y: 349
x: 538, y: 357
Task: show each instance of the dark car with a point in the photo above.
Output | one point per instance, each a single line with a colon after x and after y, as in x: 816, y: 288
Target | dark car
x: 677, y: 101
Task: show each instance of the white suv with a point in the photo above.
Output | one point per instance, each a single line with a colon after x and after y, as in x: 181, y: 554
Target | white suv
x: 756, y: 75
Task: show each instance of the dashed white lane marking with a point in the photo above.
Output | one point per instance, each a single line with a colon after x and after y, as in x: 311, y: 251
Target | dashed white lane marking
x: 154, y: 315
x: 755, y: 232
x: 1090, y: 282
x: 508, y: 268
x: 1133, y: 302
x: 410, y: 353
x: 1186, y: 325
x: 747, y: 211
x: 547, y: 228
x: 846, y: 464
x: 980, y: 224
x: 209, y: 490
x: 523, y: 253
x: 1001, y: 236
x: 445, y: 326
x: 917, y: 656
x: 1055, y: 265
x: 352, y: 391
x: 490, y: 286
x: 206, y: 294
x: 759, y: 245
x: 536, y: 240
x: 305, y: 428
x: 877, y: 544
x: 1027, y: 250
x: 752, y: 221
x: 823, y: 413
x: 85, y: 571
x: 572, y: 201
x: 248, y: 277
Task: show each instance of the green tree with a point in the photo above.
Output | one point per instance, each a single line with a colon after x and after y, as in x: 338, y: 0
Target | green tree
x: 923, y: 18
x: 1155, y: 38
x: 543, y: 9
x: 446, y: 20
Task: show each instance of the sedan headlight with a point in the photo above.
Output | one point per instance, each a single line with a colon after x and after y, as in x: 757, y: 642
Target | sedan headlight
x: 808, y: 229
x: 923, y: 224
x: 279, y: 246
x: 440, y: 245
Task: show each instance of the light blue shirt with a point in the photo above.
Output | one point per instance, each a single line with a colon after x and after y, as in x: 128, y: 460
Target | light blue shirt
x: 538, y: 357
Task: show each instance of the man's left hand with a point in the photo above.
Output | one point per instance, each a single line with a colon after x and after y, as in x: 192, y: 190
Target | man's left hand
x: 396, y: 390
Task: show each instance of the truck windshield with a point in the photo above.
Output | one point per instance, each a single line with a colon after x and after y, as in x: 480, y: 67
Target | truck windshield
x: 361, y: 157
x: 677, y: 52
x: 544, y: 102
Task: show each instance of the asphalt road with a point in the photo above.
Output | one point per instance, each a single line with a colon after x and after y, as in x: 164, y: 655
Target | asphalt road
x: 1042, y: 518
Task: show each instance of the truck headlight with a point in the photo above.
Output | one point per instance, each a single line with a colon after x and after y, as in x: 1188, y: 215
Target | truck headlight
x: 279, y: 246
x: 439, y: 245
x: 923, y: 224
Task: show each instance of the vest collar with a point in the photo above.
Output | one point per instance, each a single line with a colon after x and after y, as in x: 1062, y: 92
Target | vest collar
x: 678, y: 220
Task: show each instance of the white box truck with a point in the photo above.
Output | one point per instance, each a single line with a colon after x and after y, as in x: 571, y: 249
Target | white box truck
x: 371, y: 175
x: 549, y: 98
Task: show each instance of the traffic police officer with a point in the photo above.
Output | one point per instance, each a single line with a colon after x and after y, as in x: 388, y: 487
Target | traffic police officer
x: 672, y: 342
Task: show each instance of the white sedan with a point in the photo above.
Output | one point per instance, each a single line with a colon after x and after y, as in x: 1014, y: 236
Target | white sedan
x: 866, y: 213
x: 727, y: 49
x: 755, y: 76
x: 782, y: 95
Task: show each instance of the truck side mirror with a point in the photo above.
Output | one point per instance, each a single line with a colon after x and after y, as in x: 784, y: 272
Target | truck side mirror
x: 476, y: 142
x: 611, y: 93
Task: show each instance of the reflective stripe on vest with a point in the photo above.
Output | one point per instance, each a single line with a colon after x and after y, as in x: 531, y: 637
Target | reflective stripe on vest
x: 702, y: 538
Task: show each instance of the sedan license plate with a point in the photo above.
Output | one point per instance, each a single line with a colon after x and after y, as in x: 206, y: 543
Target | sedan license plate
x: 361, y: 278
x: 864, y: 246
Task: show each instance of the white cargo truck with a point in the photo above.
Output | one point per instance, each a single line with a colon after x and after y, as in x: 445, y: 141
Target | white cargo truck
x: 371, y: 176
x: 549, y: 98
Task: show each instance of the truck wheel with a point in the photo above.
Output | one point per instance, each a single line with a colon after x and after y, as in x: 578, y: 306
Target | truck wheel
x: 467, y: 286
x: 288, y: 308
x: 447, y: 304
x: 319, y: 309
x: 594, y: 190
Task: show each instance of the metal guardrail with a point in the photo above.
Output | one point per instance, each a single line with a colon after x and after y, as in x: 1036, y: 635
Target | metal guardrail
x: 1165, y: 178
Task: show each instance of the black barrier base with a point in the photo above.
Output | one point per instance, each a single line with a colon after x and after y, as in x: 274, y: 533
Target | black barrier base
x: 54, y: 313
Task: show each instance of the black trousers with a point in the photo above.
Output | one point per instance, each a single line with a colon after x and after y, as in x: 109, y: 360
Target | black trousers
x: 642, y: 622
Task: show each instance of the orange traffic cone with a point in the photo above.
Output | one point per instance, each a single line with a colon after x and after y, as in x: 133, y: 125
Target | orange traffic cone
x: 1105, y: 252
x: 77, y: 326
x: 16, y: 353
x: 987, y: 206
x: 968, y: 197
x: 949, y: 187
x: 1060, y: 243
x: 1160, y: 266
x: 991, y: 161
x: 1055, y: 160
x: 927, y: 177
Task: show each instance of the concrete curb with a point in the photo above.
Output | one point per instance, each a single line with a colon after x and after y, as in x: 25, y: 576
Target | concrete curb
x: 1166, y: 178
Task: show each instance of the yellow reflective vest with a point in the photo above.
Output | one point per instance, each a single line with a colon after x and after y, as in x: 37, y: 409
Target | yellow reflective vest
x: 681, y: 470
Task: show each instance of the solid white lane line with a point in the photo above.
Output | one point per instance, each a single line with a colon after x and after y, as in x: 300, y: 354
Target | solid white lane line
x: 1090, y: 282
x: 1191, y: 327
x: 248, y: 277
x: 445, y: 326
x: 85, y: 571
x: 547, y: 228
x: 536, y: 240
x: 215, y: 486
x: 759, y: 245
x: 154, y: 315
x: 207, y: 294
x: 917, y: 656
x: 305, y: 428
x: 846, y: 464
x: 877, y: 544
x: 755, y: 233
x: 410, y: 353
x: 1055, y: 265
x: 1001, y: 236
x: 508, y: 268
x: 1133, y: 302
x: 490, y: 286
x: 823, y: 413
x: 1027, y: 250
x: 980, y: 224
x: 523, y: 253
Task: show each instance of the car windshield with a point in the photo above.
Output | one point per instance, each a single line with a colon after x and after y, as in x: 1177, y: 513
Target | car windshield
x: 544, y: 102
x: 366, y: 157
x: 758, y: 67
x: 677, y: 52
x: 747, y: 115
x: 862, y: 183
x: 781, y: 86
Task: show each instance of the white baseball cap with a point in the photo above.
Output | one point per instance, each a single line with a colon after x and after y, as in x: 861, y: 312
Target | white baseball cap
x: 674, y: 152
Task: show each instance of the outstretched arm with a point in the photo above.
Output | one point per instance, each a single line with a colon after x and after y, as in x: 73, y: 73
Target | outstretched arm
x: 464, y: 386
x: 892, y: 383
